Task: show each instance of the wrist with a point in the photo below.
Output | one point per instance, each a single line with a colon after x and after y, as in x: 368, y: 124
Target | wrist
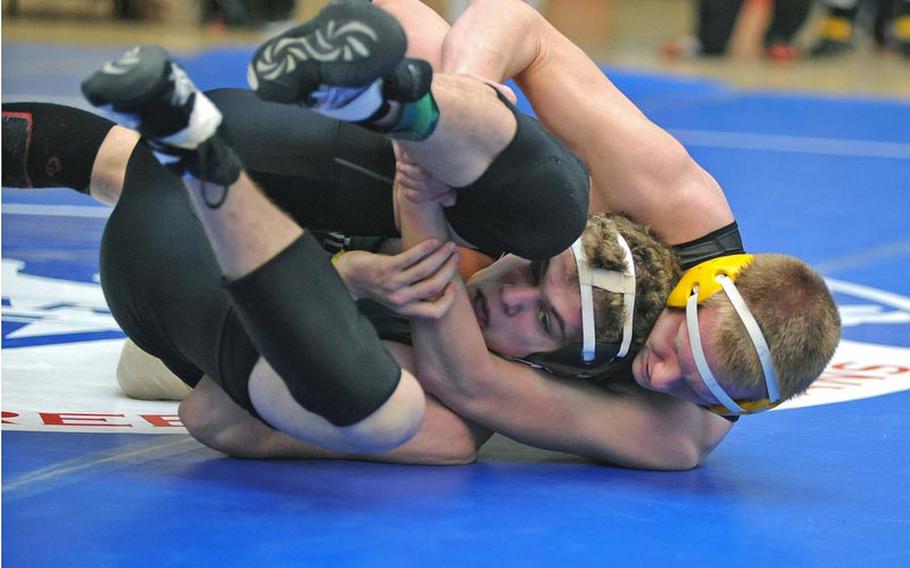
x: 421, y: 221
x: 340, y: 264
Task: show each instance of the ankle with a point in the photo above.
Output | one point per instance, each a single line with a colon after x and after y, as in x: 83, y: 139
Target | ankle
x: 413, y: 121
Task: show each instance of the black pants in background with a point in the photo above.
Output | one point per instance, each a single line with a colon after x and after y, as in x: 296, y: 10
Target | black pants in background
x: 716, y: 19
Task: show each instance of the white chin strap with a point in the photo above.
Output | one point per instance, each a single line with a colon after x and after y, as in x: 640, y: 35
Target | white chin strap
x: 612, y: 281
x: 758, y: 340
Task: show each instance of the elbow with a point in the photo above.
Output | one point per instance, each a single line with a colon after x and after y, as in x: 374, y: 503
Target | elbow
x: 196, y: 421
x: 676, y: 460
x: 689, y: 448
x: 686, y: 454
x: 457, y: 453
x: 679, y: 455
x: 683, y: 459
x: 462, y: 446
x: 682, y: 454
x: 461, y: 459
x: 665, y: 461
x: 395, y: 422
x: 211, y: 433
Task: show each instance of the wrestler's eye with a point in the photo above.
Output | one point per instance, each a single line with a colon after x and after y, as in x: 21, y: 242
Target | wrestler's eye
x: 544, y: 318
x: 536, y: 271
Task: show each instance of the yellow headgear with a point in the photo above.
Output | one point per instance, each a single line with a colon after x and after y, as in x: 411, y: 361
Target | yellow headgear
x: 702, y: 276
x: 697, y: 285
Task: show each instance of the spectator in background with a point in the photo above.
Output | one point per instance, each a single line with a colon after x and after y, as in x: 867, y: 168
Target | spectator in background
x: 839, y: 27
x: 715, y: 22
x: 240, y: 13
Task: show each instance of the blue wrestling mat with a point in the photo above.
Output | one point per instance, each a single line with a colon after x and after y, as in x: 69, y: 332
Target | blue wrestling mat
x: 93, y: 479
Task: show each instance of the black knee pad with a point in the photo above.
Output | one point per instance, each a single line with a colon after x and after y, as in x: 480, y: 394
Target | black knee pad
x: 301, y: 318
x: 48, y: 145
x: 532, y: 201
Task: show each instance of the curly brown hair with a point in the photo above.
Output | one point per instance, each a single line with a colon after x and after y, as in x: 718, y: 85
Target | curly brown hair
x: 656, y: 272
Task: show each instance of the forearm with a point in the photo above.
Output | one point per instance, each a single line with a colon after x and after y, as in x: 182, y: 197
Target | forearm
x: 495, y: 40
x: 425, y: 29
x: 450, y: 351
x: 627, y: 427
x: 636, y: 166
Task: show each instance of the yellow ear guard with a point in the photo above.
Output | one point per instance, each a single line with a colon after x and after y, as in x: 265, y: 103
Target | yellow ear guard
x: 697, y: 285
x: 702, y: 276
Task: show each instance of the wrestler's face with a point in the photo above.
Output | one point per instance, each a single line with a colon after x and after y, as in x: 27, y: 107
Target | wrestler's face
x: 526, y: 307
x: 666, y: 364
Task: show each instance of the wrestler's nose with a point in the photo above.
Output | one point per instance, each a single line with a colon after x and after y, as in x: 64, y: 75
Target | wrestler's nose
x: 517, y: 297
x: 665, y: 374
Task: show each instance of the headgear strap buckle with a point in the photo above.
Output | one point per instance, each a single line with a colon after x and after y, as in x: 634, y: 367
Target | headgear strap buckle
x: 610, y: 280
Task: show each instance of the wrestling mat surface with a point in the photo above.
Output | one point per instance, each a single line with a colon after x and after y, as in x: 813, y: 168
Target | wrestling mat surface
x: 91, y: 478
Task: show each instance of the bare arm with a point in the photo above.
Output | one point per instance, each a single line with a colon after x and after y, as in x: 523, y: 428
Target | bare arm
x: 425, y: 29
x: 636, y: 166
x: 623, y: 426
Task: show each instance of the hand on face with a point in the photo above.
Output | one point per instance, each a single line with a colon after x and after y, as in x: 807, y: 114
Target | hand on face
x: 416, y: 282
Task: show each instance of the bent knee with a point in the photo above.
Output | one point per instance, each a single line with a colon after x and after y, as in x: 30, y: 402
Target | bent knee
x: 389, y: 424
x: 532, y: 200
x: 393, y: 423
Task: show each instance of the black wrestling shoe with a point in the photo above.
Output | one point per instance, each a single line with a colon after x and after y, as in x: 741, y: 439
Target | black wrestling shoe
x: 151, y: 93
x: 331, y: 59
x: 408, y: 81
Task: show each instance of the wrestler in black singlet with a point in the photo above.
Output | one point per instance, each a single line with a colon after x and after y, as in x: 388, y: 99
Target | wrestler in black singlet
x: 159, y: 274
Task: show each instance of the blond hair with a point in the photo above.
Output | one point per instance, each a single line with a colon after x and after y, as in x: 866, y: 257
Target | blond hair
x: 656, y: 272
x: 798, y: 317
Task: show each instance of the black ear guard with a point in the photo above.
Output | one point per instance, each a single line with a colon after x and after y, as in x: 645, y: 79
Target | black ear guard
x: 590, y: 358
x: 567, y: 362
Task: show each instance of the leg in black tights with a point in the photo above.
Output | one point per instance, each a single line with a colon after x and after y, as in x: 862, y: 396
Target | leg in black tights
x: 47, y: 145
x: 789, y: 16
x: 716, y: 19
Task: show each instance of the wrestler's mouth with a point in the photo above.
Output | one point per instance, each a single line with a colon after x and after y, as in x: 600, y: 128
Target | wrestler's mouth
x: 481, y: 310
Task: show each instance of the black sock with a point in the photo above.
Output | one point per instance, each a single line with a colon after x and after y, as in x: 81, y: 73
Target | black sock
x: 409, y: 110
x: 405, y: 120
x: 47, y: 145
